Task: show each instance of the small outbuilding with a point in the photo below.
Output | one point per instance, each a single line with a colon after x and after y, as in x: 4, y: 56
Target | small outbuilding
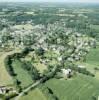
x: 66, y: 72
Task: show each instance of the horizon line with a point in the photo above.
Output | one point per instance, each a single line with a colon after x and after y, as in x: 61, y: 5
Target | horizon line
x: 47, y: 2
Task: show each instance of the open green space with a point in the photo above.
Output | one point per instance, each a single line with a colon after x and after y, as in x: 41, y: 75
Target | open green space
x: 79, y: 88
x: 5, y: 78
x: 92, y: 61
x: 93, y: 56
x: 22, y: 75
x: 35, y: 94
x: 51, y: 54
x: 96, y: 27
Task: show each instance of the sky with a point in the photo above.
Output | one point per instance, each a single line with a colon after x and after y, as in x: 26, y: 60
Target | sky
x: 49, y: 1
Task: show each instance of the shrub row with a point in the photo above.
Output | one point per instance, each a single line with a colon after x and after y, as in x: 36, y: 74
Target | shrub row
x: 82, y: 70
x: 9, y: 58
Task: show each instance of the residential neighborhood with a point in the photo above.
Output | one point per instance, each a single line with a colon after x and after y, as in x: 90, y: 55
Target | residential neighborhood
x: 49, y: 51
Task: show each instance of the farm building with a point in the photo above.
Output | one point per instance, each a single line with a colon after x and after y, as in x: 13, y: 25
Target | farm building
x: 66, y: 72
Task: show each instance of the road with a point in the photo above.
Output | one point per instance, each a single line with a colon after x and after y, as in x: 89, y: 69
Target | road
x: 28, y: 89
x: 35, y: 84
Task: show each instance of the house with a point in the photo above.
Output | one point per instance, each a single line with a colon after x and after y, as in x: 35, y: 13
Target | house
x: 66, y: 72
x: 59, y: 58
x: 2, y: 90
x: 81, y: 66
x: 70, y: 59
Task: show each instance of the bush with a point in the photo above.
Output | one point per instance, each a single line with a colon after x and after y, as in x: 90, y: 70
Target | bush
x: 11, y: 95
x: 81, y: 70
x: 49, y: 93
x: 8, y: 62
x: 26, y: 50
x: 2, y: 97
x: 40, y: 51
x: 31, y: 70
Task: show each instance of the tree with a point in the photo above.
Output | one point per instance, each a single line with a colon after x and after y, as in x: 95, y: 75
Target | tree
x: 40, y: 51
x: 94, y: 98
x: 34, y: 73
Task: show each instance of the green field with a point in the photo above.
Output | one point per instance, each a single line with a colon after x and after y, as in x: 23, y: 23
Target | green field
x: 96, y: 27
x: 79, y: 88
x: 93, y: 57
x: 22, y: 75
x: 92, y: 61
x: 35, y: 94
x: 5, y: 78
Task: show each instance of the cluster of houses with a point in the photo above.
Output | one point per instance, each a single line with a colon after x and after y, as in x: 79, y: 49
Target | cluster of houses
x: 66, y: 73
x: 18, y: 37
x: 39, y: 35
x: 7, y: 90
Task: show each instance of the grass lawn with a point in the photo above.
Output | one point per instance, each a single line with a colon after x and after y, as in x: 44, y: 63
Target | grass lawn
x: 5, y: 78
x: 26, y: 26
x: 93, y: 57
x: 80, y: 87
x: 22, y: 75
x: 40, y: 67
x: 96, y: 27
x: 35, y: 94
x: 92, y: 61
x: 90, y: 67
x: 51, y: 54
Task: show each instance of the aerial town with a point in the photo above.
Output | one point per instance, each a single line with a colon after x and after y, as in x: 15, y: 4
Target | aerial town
x: 49, y: 51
